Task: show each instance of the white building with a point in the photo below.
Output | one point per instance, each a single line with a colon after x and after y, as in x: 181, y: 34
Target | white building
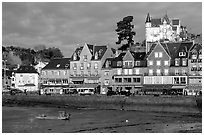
x: 26, y: 78
x: 162, y: 29
x: 40, y: 66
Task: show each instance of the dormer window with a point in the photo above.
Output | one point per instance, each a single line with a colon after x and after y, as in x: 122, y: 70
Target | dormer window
x: 194, y: 54
x: 66, y: 66
x: 58, y: 65
x: 137, y: 63
x: 184, y: 62
x: 107, y: 64
x: 182, y: 53
x: 96, y: 55
x: 177, y: 61
x: 85, y: 57
x: 100, y: 52
x: 200, y: 54
x: 75, y: 56
x: 119, y: 63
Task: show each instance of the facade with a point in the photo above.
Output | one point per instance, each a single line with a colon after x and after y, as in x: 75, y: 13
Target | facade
x: 55, y: 76
x: 124, y: 72
x: 167, y: 65
x: 85, y: 66
x: 26, y: 78
x: 162, y: 29
x: 195, y: 70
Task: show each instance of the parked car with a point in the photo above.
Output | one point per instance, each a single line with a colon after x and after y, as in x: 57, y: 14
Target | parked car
x: 86, y: 91
x: 15, y: 91
x: 125, y: 92
x: 71, y: 91
x: 110, y: 93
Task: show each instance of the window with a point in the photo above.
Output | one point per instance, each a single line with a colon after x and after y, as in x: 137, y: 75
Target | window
x: 118, y: 79
x: 106, y: 73
x: 182, y: 53
x: 119, y: 71
x: 75, y: 73
x: 194, y: 68
x: 137, y: 63
x: 184, y: 62
x: 96, y: 72
x: 96, y: 66
x: 127, y: 80
x: 156, y: 54
x: 130, y: 71
x: 158, y: 63
x: 85, y: 57
x: 125, y: 64
x: 194, y: 54
x: 166, y: 71
x: 82, y: 73
x: 177, y: 62
x: 150, y: 63
x: 126, y: 71
x: 82, y: 66
x: 130, y: 64
x: 106, y: 82
x: 75, y: 66
x: 183, y: 80
x: 119, y: 63
x: 158, y: 72
x: 150, y: 71
x: 88, y: 65
x: 107, y: 64
x: 184, y: 72
x: 166, y: 63
x: 176, y: 72
x: 136, y: 80
x: 160, y: 54
x: 137, y: 71
x: 176, y: 80
x: 96, y: 56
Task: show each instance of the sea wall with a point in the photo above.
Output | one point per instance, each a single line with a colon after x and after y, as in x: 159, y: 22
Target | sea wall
x: 141, y: 103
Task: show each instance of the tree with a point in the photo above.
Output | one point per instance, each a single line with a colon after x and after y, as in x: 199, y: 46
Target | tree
x: 125, y: 33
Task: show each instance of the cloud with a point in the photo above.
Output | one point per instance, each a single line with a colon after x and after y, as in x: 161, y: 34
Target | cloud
x: 66, y: 24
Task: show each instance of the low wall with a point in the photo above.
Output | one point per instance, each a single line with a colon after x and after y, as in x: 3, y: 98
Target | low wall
x: 141, y: 103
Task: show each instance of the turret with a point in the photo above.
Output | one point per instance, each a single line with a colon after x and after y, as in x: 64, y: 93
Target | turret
x: 148, y: 21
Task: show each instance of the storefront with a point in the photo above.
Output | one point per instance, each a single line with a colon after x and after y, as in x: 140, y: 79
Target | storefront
x: 157, y: 89
x: 193, y: 90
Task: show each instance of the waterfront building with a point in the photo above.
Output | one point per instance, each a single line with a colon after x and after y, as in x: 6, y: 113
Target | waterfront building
x: 26, y: 78
x: 127, y: 71
x: 167, y: 65
x: 195, y: 69
x: 55, y: 76
x: 85, y: 66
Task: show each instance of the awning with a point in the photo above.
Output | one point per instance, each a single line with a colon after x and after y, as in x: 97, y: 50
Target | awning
x: 29, y: 85
x: 158, y: 86
x: 77, y: 79
x: 88, y: 85
x: 178, y: 87
x: 194, y: 87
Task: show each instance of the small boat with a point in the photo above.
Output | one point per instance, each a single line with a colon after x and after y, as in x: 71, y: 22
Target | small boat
x: 62, y: 116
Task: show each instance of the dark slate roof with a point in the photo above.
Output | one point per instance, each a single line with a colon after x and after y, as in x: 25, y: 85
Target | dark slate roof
x: 148, y: 19
x: 175, y: 22
x: 63, y: 63
x: 113, y: 50
x: 156, y: 22
x: 196, y: 47
x: 120, y: 57
x: 78, y: 52
x: 138, y: 55
x: 26, y: 69
x: 166, y: 18
x: 108, y: 59
x: 175, y: 48
x: 100, y: 50
x: 91, y: 47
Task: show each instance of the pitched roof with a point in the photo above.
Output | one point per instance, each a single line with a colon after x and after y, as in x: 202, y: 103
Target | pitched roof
x: 156, y: 22
x: 166, y: 18
x: 108, y: 59
x: 100, y: 50
x: 138, y: 55
x: 26, y: 69
x: 91, y: 47
x: 77, y: 52
x: 148, y: 19
x: 63, y: 63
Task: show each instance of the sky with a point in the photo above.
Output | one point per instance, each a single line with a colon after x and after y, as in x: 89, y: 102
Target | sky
x: 67, y: 25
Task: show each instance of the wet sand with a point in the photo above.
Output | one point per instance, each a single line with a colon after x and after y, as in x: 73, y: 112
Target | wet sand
x: 20, y: 119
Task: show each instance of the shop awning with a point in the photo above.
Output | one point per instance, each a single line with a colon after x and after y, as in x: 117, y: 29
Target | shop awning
x: 29, y: 85
x: 77, y: 79
x: 194, y: 87
x: 178, y: 87
x: 167, y: 86
x: 88, y: 85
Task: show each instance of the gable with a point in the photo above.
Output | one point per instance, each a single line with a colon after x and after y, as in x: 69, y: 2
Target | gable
x: 158, y: 48
x: 128, y: 56
x: 85, y: 51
